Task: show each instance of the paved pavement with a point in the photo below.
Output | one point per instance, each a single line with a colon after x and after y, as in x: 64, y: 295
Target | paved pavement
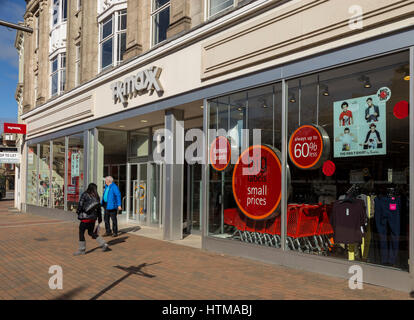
x: 143, y: 268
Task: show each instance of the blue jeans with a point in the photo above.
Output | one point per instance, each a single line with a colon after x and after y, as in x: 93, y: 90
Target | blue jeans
x: 385, y: 220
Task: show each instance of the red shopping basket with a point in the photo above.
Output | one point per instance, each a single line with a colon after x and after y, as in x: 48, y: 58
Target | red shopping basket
x: 240, y: 222
x: 302, y: 221
x: 260, y: 226
x: 273, y: 226
x: 325, y: 227
x: 230, y: 216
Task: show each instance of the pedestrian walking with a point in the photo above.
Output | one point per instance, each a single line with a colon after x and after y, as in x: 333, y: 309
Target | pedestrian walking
x: 111, y: 201
x: 89, y: 210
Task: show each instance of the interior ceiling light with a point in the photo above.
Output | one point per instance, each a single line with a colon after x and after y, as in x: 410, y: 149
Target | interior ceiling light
x: 292, y: 98
x: 144, y: 121
x: 264, y: 104
x: 326, y: 91
x: 366, y: 81
x: 122, y: 126
x: 405, y: 71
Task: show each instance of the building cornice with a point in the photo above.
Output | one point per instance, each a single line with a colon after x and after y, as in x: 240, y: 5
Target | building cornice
x: 193, y: 36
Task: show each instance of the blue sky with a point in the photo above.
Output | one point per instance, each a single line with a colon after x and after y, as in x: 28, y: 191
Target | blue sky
x: 11, y: 11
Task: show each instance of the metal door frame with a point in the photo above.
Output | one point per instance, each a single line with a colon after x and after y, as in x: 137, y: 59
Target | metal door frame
x: 130, y: 197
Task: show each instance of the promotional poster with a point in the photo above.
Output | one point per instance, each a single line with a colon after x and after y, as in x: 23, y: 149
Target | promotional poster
x: 360, y: 125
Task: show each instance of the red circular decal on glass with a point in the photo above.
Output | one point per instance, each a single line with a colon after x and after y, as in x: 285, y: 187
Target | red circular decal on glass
x: 220, y: 153
x: 306, y: 147
x: 328, y: 168
x: 257, y: 180
x: 401, y: 110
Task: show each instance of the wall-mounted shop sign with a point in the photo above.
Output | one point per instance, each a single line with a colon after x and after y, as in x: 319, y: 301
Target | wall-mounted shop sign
x: 9, y: 155
x: 144, y: 81
x: 257, y: 183
x: 360, y: 125
x: 14, y: 128
x: 309, y: 147
x: 75, y: 162
x: 220, y: 153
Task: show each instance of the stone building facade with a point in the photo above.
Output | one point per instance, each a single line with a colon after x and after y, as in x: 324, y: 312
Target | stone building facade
x: 101, y: 78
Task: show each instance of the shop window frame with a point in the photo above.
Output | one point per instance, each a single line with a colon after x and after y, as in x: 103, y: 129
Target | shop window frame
x: 319, y: 260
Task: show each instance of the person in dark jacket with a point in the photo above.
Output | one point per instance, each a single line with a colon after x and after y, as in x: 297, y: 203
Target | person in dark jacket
x: 372, y: 111
x: 89, y: 210
x: 111, y: 201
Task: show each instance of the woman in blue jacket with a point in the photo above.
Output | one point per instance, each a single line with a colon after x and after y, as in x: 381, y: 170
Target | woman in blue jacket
x: 111, y: 201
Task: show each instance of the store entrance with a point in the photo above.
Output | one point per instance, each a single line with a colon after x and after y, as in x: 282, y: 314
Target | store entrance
x: 192, y: 199
x: 145, y: 190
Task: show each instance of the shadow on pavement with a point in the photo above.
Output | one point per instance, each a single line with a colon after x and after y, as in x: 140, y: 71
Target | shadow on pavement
x: 110, y: 243
x: 70, y: 294
x: 130, y: 271
x: 130, y: 229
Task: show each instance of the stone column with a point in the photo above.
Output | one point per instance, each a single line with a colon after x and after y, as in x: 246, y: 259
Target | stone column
x: 180, y: 19
x: 89, y: 41
x: 134, y: 29
x: 72, y: 39
x: 43, y: 53
x: 28, y: 65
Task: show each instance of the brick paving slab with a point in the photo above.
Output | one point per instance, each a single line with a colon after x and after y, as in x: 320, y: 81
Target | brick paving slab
x: 30, y: 244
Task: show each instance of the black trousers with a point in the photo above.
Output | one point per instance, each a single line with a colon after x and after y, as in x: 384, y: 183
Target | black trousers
x: 111, y: 214
x: 86, y: 226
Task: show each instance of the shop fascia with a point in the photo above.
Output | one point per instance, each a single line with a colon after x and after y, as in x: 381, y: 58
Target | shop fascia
x: 144, y: 81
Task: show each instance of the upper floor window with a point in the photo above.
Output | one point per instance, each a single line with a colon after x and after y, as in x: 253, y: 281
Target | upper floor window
x: 160, y: 15
x: 60, y: 11
x: 217, y: 6
x: 58, y: 74
x: 112, y: 39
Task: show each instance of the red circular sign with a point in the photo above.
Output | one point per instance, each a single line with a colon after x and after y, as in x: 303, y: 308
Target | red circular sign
x: 257, y: 180
x: 306, y: 146
x: 220, y: 153
x: 328, y: 168
x: 401, y: 110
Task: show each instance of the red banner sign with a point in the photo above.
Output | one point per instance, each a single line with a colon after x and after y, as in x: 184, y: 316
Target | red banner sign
x: 308, y: 147
x: 14, y: 128
x: 220, y: 153
x: 257, y: 180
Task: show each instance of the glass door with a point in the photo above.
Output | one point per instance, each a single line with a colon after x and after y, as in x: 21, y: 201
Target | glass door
x: 193, y: 194
x: 155, y: 172
x: 144, y: 181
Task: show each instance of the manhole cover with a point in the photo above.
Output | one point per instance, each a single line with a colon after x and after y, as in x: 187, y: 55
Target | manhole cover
x: 41, y: 239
